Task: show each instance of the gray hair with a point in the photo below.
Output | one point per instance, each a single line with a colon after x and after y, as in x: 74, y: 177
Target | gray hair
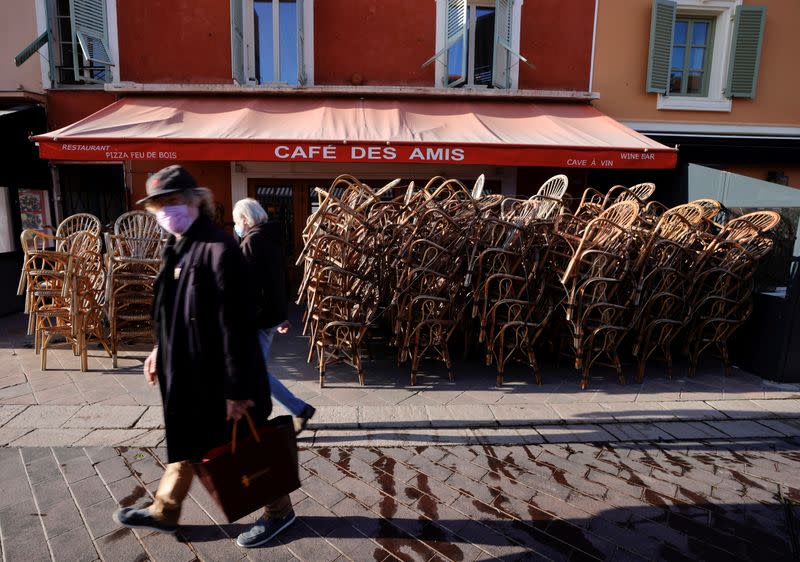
x: 251, y: 210
x: 203, y: 198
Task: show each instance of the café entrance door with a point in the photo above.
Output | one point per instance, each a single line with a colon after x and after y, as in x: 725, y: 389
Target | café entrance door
x: 287, y: 202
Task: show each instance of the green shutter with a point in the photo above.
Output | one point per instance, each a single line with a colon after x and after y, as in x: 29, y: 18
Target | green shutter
x: 748, y: 32
x: 237, y: 42
x: 28, y: 51
x: 659, y: 58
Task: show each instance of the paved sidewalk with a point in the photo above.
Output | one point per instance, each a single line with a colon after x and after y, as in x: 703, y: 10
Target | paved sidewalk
x: 106, y: 406
x: 690, y: 500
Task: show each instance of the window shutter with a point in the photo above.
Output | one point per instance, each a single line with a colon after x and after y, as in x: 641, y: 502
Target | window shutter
x: 237, y: 41
x: 301, y: 62
x: 456, y: 32
x: 90, y: 28
x: 501, y: 69
x: 659, y: 60
x: 28, y: 51
x: 748, y: 32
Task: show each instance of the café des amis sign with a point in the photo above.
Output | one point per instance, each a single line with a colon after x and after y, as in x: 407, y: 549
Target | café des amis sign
x: 220, y: 150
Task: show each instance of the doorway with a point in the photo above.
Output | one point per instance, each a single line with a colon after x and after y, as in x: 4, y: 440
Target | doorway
x: 287, y: 202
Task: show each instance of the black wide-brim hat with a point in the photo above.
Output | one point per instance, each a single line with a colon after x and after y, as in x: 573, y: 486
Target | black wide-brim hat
x: 172, y: 179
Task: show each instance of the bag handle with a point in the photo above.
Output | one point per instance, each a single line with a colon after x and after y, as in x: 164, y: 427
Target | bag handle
x: 252, y: 430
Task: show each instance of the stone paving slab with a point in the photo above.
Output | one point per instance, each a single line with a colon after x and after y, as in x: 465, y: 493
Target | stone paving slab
x: 624, y: 500
x: 104, y: 417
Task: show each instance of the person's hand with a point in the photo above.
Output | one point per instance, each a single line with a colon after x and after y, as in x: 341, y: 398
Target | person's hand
x: 237, y: 408
x: 150, y: 367
x: 284, y: 327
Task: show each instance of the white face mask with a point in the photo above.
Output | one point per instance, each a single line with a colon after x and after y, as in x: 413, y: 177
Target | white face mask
x: 239, y: 229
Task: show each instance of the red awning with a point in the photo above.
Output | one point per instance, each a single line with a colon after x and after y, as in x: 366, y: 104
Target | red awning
x: 503, y: 133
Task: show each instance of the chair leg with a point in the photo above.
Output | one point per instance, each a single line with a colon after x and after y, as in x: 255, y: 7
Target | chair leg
x: 618, y: 367
x: 535, y: 366
x: 726, y: 358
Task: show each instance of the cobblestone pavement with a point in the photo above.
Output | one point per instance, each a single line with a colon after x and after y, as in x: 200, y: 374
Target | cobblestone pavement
x: 678, y: 500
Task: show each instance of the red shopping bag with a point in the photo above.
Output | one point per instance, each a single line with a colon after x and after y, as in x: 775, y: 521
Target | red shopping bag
x: 245, y: 474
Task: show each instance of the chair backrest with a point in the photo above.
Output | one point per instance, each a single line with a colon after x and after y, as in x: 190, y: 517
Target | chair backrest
x: 138, y: 224
x: 642, y: 190
x: 762, y: 220
x: 77, y: 223
x: 555, y: 187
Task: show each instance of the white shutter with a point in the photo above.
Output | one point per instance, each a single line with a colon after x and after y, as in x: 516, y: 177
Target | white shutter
x: 237, y: 41
x: 455, y: 31
x: 89, y: 27
x: 501, y: 70
x: 301, y: 62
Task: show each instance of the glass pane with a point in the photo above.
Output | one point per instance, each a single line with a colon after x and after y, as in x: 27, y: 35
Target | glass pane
x: 694, y: 84
x: 484, y: 46
x: 696, y: 58
x: 700, y: 33
x: 288, y: 41
x: 679, y: 36
x: 675, y: 82
x: 455, y: 69
x: 678, y: 55
x: 262, y: 24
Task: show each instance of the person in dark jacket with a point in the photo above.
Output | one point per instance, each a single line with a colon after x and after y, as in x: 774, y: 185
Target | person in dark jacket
x: 262, y: 246
x: 206, y: 360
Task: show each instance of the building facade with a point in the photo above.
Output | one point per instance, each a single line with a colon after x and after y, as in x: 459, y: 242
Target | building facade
x: 423, y: 75
x: 712, y: 76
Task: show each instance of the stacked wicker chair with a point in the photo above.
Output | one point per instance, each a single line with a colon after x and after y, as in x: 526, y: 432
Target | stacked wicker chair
x: 721, y: 287
x: 341, y: 276
x: 618, y: 274
x: 132, y: 262
x: 429, y: 298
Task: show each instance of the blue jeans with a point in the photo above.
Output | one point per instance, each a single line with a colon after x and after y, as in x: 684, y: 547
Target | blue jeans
x: 279, y: 392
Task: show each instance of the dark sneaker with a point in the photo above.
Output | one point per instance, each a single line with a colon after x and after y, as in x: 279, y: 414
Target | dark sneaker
x: 142, y: 519
x: 301, y: 421
x: 264, y: 530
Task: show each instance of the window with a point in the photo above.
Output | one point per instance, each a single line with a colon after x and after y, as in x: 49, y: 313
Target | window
x: 703, y: 53
x: 477, y: 43
x: 691, y: 46
x: 77, y: 34
x: 269, y: 44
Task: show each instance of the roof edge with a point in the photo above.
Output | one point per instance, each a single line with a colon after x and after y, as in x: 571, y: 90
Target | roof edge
x: 134, y: 88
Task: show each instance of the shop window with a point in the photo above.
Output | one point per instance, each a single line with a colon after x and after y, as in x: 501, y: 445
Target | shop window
x: 269, y: 44
x: 477, y: 43
x: 703, y: 53
x: 78, y: 38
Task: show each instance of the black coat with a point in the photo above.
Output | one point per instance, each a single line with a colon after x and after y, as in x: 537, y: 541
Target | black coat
x: 263, y: 251
x: 207, y: 343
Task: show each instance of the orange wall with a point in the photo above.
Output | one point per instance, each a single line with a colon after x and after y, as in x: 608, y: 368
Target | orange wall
x: 216, y: 176
x: 64, y: 107
x: 389, y: 43
x: 760, y: 172
x: 394, y: 38
x: 621, y: 68
x: 175, y: 41
x: 556, y: 37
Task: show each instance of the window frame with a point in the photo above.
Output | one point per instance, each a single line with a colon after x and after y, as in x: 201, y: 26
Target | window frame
x: 722, y: 12
x: 709, y: 51
x: 45, y: 16
x: 440, y: 80
x: 249, y: 40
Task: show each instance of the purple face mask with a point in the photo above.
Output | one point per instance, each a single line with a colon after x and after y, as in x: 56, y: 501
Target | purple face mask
x: 175, y: 218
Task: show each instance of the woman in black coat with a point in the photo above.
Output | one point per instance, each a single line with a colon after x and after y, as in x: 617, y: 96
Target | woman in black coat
x: 206, y: 360
x: 262, y: 247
